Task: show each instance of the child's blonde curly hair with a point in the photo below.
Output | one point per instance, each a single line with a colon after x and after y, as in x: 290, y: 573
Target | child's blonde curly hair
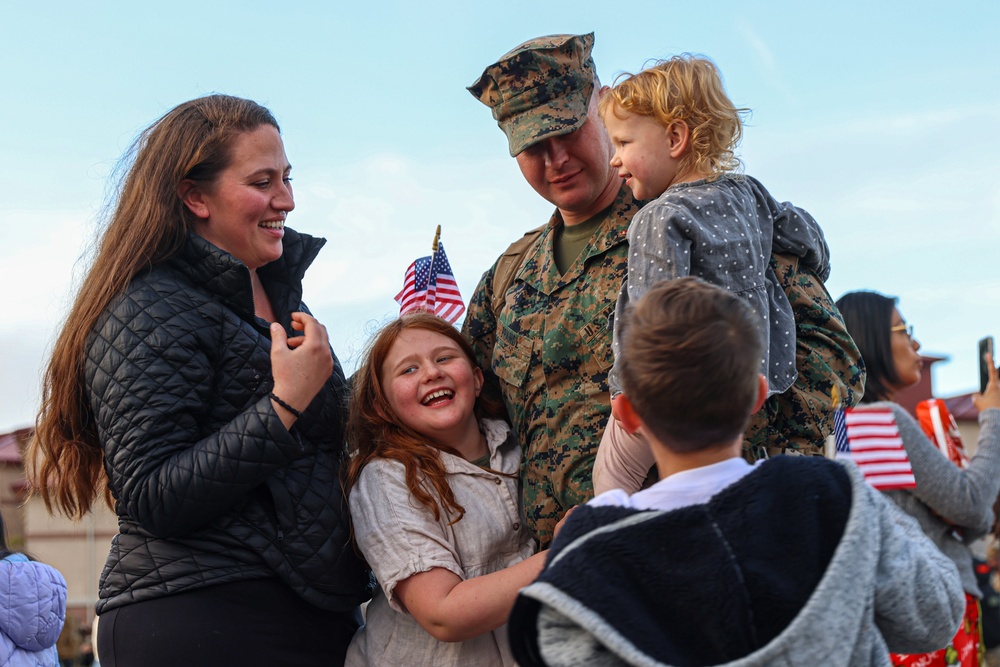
x: 689, y: 89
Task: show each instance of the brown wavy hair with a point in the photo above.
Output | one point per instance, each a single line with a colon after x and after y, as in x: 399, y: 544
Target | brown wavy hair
x: 146, y: 223
x: 690, y: 363
x: 376, y: 432
x: 689, y: 89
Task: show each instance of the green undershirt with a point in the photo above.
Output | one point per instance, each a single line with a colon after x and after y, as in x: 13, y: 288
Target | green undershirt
x: 571, y: 240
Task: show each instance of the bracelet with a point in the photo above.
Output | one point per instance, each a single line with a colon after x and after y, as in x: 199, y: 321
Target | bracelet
x: 274, y: 397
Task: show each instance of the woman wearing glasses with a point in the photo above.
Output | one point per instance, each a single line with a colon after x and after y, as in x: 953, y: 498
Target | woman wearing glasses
x: 954, y: 505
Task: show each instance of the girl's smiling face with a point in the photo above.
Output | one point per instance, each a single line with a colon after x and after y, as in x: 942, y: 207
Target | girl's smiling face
x: 432, y: 386
x: 644, y: 154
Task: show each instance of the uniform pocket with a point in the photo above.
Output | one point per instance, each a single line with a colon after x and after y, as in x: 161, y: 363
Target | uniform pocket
x: 597, y: 336
x: 511, y: 356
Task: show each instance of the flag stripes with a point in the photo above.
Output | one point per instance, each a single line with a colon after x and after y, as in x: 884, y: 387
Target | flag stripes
x: 430, y: 285
x: 870, y: 437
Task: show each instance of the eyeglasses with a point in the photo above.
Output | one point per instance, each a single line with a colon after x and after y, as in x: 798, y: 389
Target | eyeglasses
x: 905, y: 328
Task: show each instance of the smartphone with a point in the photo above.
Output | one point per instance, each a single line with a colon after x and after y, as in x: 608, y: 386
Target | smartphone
x: 985, y: 347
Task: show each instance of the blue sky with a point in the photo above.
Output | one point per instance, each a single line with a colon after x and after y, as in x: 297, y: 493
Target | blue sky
x: 878, y: 118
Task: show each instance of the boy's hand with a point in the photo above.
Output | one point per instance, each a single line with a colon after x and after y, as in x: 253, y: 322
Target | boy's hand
x: 559, y: 524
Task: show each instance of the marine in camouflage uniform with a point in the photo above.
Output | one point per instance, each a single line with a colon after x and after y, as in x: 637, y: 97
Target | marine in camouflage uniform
x: 545, y: 344
x: 550, y: 350
x: 826, y: 357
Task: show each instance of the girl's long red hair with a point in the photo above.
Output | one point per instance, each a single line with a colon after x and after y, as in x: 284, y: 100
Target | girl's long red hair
x: 376, y: 432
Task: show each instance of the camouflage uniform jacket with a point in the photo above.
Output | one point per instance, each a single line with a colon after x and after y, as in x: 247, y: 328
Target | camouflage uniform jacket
x: 549, y: 350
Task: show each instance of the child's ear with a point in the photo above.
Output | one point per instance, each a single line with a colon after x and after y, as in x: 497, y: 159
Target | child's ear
x: 626, y: 414
x: 477, y: 376
x: 761, y: 393
x: 679, y: 136
x: 191, y: 194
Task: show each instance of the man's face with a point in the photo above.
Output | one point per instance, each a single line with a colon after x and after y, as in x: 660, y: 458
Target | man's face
x: 573, y: 171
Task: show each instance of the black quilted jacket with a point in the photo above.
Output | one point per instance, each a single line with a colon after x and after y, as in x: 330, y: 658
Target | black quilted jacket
x: 209, y: 485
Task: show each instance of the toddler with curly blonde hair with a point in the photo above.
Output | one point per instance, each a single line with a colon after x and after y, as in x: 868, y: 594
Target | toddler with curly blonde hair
x: 674, y: 131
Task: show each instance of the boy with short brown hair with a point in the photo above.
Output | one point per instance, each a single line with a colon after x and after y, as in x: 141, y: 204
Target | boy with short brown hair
x: 793, y: 560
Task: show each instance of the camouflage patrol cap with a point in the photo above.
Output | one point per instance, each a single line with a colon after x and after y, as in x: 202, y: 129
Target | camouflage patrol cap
x: 540, y: 89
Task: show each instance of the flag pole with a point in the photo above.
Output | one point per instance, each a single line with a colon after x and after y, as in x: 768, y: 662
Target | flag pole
x: 830, y: 446
x: 430, y: 296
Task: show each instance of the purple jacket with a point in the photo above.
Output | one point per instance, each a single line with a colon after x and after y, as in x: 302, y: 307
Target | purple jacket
x: 32, y: 612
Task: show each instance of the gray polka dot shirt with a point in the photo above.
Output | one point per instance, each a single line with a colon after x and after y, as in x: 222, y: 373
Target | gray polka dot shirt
x: 724, y: 232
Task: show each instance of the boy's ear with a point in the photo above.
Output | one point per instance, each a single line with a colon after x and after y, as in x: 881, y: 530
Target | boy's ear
x: 679, y: 136
x: 626, y: 414
x: 191, y: 194
x: 761, y: 393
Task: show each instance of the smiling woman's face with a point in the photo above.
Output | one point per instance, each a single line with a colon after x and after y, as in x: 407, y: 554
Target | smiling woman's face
x: 904, y: 353
x: 243, y: 211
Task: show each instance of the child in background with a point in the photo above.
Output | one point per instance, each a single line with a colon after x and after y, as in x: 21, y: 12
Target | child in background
x: 674, y: 131
x: 792, y: 561
x: 32, y: 609
x: 434, y: 502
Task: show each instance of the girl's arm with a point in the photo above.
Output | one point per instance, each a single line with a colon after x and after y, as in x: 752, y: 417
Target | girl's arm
x: 795, y: 232
x: 417, y: 565
x: 658, y: 250
x: 660, y: 245
x: 451, y: 609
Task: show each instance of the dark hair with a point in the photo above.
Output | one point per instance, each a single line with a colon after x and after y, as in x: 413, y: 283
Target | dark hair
x: 375, y: 431
x: 868, y: 318
x: 690, y: 360
x: 147, y: 224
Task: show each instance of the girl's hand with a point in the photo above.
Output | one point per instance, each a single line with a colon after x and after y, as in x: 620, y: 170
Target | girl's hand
x: 300, y: 365
x: 991, y: 397
x: 559, y: 524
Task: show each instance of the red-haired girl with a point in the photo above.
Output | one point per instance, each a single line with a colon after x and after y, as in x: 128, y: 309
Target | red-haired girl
x: 434, y: 502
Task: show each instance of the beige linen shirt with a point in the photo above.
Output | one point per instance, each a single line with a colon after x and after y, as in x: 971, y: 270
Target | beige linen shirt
x: 399, y: 537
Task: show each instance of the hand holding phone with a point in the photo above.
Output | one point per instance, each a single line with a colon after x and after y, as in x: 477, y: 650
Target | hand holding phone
x: 985, y: 347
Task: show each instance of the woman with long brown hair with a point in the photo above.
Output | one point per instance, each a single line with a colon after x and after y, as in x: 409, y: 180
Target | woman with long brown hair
x: 191, y: 388
x: 434, y: 501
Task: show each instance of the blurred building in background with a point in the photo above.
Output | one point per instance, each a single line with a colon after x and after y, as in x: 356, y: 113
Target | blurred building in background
x: 78, y: 549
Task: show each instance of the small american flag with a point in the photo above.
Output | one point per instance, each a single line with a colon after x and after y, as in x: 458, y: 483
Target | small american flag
x: 430, y: 285
x: 870, y: 437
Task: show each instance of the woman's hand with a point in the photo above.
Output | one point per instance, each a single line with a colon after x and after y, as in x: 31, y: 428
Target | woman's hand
x: 300, y: 365
x: 991, y: 397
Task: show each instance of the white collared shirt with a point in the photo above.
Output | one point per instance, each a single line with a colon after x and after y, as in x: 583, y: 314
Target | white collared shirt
x: 689, y: 487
